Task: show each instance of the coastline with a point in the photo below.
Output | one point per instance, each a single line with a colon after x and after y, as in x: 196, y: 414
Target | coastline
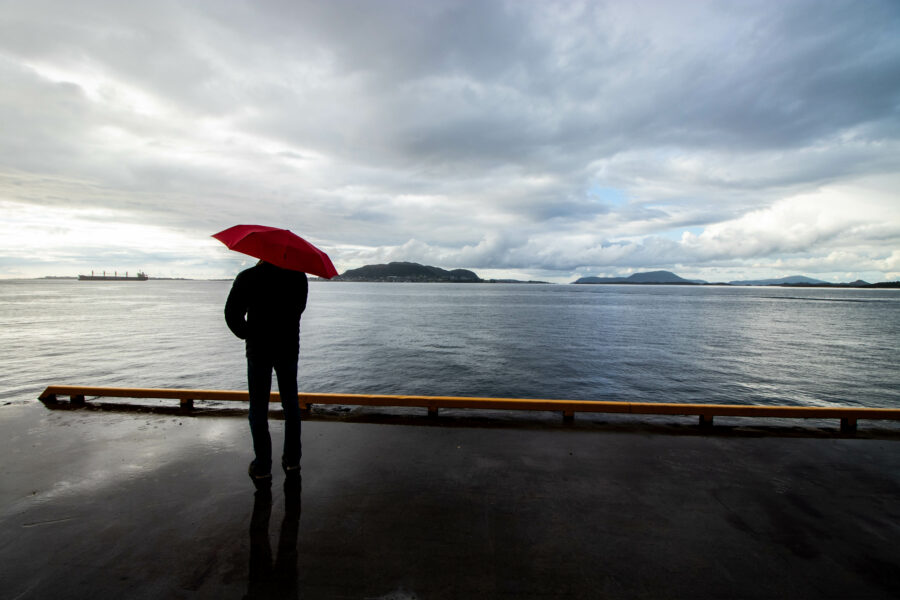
x: 867, y: 286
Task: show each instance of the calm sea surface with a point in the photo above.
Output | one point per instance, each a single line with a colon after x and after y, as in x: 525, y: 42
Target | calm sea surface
x: 631, y: 343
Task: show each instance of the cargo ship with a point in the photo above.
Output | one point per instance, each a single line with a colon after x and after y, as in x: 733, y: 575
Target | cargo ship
x: 141, y: 276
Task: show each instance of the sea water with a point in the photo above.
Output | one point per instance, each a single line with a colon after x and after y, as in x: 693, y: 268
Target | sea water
x: 796, y: 346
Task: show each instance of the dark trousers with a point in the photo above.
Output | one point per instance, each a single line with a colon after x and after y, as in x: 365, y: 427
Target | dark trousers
x: 259, y: 380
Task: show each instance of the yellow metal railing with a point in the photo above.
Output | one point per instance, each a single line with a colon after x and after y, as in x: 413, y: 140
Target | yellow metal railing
x: 848, y: 415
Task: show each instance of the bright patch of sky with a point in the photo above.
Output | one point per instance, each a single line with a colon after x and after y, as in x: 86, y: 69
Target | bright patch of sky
x: 527, y: 140
x: 611, y: 196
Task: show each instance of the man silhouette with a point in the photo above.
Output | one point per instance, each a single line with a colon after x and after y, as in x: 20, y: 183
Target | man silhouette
x: 264, y: 308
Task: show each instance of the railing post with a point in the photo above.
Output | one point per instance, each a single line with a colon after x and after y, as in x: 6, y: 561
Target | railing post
x: 848, y: 424
x: 568, y: 416
x: 48, y: 399
x: 187, y: 404
x: 76, y: 400
x: 706, y: 421
x: 432, y: 411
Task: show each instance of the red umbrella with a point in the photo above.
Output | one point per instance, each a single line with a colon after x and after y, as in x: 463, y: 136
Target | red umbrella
x: 279, y: 247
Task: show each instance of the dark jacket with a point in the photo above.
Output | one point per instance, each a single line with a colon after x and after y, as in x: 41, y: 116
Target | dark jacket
x: 272, y: 300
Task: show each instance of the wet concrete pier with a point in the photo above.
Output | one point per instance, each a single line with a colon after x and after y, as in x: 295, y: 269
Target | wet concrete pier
x: 135, y: 505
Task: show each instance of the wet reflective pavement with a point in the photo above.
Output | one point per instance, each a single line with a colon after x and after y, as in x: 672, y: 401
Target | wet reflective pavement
x: 131, y: 505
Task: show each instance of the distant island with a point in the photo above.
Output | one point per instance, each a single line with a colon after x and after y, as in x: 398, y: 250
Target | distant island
x: 792, y: 280
x: 669, y: 278
x: 652, y: 277
x: 410, y: 272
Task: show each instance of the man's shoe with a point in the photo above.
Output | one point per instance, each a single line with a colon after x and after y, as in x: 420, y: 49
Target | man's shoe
x: 290, y: 471
x: 260, y: 480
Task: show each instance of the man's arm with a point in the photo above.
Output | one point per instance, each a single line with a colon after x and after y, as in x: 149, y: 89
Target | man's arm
x: 302, y: 292
x: 236, y: 308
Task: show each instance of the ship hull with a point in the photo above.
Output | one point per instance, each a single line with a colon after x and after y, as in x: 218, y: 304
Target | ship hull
x: 111, y: 278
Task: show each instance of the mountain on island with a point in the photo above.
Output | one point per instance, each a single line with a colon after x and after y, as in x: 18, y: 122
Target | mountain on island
x: 408, y: 272
x: 652, y: 277
x: 792, y: 280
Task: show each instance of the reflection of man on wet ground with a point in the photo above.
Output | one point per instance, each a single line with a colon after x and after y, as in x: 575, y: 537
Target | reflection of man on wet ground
x: 272, y: 300
x: 278, y: 578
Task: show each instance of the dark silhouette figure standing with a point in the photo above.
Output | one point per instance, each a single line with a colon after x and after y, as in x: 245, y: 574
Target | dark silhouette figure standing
x: 264, y: 308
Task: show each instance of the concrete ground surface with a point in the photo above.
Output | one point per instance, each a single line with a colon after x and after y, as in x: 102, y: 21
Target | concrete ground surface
x: 107, y: 504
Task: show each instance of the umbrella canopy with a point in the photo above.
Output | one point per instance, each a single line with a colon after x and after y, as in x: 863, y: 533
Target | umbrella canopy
x: 279, y: 247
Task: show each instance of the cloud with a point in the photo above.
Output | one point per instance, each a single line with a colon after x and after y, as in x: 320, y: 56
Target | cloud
x: 832, y: 218
x: 834, y: 229
x: 467, y: 134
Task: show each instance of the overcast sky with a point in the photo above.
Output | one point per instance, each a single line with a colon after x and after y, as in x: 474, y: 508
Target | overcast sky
x: 529, y: 139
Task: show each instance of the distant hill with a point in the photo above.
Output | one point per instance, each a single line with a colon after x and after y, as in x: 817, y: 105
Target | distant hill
x: 408, y: 272
x: 652, y: 277
x: 792, y: 280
